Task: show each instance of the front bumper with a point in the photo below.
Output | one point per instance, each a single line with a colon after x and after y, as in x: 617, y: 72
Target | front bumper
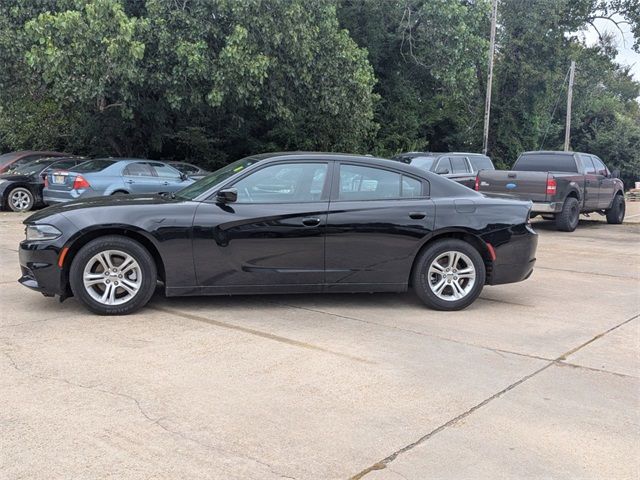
x: 40, y: 271
x: 515, y: 256
x: 551, y: 207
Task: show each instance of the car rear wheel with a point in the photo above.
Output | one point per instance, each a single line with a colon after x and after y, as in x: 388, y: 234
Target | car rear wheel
x: 567, y: 220
x: 113, y: 275
x: 20, y: 199
x: 615, y: 215
x: 449, y: 275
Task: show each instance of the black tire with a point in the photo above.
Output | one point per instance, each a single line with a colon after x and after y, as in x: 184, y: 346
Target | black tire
x: 615, y: 215
x: 421, y: 279
x: 567, y: 220
x: 20, y: 199
x: 119, y: 193
x: 148, y: 274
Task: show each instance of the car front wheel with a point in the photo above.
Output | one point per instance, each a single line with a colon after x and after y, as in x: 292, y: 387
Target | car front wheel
x: 20, y: 199
x: 113, y: 275
x: 449, y: 275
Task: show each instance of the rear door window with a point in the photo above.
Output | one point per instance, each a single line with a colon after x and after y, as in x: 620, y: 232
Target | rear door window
x: 459, y: 165
x: 139, y: 170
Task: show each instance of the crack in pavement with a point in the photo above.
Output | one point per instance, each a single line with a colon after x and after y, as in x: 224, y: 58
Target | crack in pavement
x: 559, y: 360
x: 468, y: 344
x: 156, y: 421
x: 259, y: 333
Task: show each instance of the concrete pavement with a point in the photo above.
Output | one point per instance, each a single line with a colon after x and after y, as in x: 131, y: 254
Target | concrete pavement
x: 536, y: 380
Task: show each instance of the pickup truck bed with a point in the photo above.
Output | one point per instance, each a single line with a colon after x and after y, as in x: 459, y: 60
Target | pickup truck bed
x: 561, y: 185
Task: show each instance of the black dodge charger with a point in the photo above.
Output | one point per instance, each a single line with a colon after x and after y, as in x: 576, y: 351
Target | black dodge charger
x: 283, y: 223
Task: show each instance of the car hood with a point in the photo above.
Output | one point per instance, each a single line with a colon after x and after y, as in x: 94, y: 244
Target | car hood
x: 99, y: 202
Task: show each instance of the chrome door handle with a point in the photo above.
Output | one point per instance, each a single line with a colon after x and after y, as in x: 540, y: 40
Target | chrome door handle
x: 311, y: 221
x: 417, y: 215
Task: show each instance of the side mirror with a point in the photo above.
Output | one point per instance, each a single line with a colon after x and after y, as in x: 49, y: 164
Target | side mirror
x: 615, y: 173
x: 442, y: 171
x: 228, y: 195
x: 183, y: 176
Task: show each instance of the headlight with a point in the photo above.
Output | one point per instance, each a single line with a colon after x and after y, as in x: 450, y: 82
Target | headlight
x: 42, y: 232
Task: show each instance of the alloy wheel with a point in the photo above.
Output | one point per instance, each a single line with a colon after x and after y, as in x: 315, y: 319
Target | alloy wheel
x: 112, y: 277
x: 20, y: 199
x: 451, y: 276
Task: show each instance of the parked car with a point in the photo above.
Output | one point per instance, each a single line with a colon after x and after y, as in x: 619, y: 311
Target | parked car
x: 460, y: 167
x: 14, y: 159
x: 561, y: 185
x: 193, y: 171
x: 276, y: 223
x: 21, y: 188
x: 112, y: 176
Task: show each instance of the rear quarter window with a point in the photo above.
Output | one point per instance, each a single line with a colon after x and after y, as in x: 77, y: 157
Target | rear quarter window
x: 546, y: 162
x: 481, y: 163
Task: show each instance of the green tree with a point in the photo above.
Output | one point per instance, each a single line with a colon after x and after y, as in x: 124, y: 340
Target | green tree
x: 191, y: 79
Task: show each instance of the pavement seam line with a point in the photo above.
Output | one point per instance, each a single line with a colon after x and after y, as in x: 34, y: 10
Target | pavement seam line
x: 416, y: 332
x: 157, y: 421
x: 586, y: 273
x: 380, y: 465
x: 259, y: 333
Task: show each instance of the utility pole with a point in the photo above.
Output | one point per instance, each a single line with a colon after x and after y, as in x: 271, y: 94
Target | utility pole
x: 567, y: 128
x: 487, y: 103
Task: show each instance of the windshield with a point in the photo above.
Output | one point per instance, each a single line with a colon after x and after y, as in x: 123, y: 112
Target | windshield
x: 424, y: 163
x: 93, y: 165
x: 198, y: 188
x: 6, y: 157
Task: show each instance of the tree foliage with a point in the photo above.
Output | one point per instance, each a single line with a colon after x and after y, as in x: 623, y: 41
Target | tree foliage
x: 212, y: 80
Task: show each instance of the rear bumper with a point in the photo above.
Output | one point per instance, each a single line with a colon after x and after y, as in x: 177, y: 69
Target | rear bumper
x: 551, y: 207
x: 51, y: 197
x: 515, y: 258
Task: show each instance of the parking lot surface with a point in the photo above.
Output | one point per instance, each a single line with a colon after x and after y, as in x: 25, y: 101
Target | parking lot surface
x: 539, y: 379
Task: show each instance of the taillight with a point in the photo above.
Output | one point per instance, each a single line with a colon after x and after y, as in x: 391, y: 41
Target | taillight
x: 551, y: 186
x: 80, y: 183
x: 477, y: 187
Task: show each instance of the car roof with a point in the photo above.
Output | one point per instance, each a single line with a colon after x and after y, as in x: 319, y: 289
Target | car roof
x: 438, y: 154
x: 333, y: 156
x: 547, y: 152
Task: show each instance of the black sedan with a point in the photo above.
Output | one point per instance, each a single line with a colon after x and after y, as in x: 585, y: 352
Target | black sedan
x: 21, y: 187
x: 283, y: 223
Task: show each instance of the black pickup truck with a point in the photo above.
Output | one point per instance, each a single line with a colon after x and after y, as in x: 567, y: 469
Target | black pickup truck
x: 561, y: 185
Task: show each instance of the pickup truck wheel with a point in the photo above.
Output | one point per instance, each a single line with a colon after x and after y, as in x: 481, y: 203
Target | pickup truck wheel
x: 449, y: 275
x: 615, y: 215
x: 567, y: 219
